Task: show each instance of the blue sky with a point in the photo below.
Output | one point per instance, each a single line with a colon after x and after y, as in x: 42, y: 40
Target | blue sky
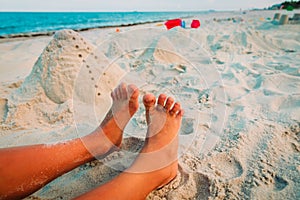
x: 131, y: 5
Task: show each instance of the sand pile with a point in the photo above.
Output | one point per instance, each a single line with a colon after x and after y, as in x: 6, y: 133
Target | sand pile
x: 239, y: 82
x: 45, y: 97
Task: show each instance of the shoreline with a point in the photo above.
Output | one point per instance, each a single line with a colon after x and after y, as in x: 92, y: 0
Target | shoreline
x: 181, y: 14
x: 4, y: 38
x: 51, y: 33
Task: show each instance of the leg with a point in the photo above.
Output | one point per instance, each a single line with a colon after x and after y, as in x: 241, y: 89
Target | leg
x: 156, y: 165
x: 23, y: 170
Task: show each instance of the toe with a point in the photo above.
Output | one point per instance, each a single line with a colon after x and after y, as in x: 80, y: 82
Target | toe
x: 169, y: 103
x: 133, y: 91
x: 174, y: 110
x: 180, y: 113
x: 117, y: 93
x: 113, y: 95
x: 161, y: 100
x: 123, y: 90
x: 149, y: 101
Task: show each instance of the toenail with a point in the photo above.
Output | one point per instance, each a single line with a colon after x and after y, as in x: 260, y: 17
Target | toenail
x: 171, y: 112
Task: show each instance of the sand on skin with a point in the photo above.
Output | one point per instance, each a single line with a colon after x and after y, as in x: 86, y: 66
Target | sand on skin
x: 239, y: 83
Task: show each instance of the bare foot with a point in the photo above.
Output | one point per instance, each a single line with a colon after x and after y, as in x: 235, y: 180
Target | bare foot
x: 156, y: 164
x: 159, y: 154
x: 125, y: 104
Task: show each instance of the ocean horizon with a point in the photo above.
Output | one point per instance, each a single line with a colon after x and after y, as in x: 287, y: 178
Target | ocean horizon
x: 14, y: 24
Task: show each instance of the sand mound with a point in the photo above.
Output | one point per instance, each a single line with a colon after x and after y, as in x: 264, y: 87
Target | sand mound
x: 45, y: 95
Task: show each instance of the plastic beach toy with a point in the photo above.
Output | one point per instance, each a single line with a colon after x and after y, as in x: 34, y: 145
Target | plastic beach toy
x: 173, y: 23
x: 195, y: 23
x: 183, y: 24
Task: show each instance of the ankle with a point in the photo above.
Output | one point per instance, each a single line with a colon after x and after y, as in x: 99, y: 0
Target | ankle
x: 165, y: 175
x: 98, y: 143
x: 111, y: 132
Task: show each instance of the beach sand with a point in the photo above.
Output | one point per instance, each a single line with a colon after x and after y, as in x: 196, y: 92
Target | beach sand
x: 238, y: 81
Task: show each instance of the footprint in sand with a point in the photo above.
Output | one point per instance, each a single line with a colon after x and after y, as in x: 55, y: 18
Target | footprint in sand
x: 267, y: 177
x: 187, y: 126
x: 279, y: 183
x: 225, y: 166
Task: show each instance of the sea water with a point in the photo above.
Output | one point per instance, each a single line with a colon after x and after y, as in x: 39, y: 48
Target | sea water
x: 18, y: 23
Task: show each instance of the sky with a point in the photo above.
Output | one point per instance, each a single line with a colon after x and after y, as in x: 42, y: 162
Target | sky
x: 132, y: 5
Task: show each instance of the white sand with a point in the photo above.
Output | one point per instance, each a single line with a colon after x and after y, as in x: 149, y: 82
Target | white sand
x: 239, y: 84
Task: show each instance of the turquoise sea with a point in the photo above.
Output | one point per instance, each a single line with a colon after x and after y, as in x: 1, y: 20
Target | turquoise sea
x: 19, y: 23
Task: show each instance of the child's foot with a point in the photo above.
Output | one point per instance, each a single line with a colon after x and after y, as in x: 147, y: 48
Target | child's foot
x: 159, y: 154
x: 125, y: 104
x: 156, y: 164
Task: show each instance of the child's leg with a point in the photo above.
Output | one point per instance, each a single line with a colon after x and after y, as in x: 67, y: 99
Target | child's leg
x: 23, y: 170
